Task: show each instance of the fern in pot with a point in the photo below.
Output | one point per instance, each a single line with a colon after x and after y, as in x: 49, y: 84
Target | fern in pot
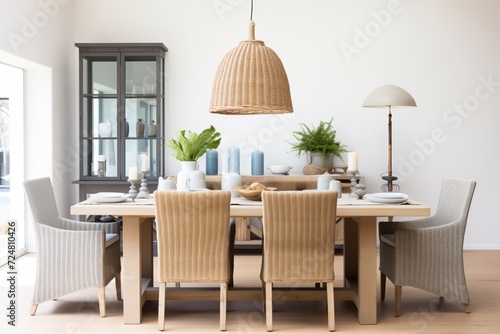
x: 320, y: 145
x: 188, y: 147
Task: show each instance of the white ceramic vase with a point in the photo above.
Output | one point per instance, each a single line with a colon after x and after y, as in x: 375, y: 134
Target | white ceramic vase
x: 105, y: 129
x: 187, y: 168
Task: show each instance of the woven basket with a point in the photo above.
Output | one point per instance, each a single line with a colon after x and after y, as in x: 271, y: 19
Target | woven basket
x: 251, y: 80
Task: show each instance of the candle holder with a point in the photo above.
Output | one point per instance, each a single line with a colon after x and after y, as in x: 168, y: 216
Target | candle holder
x: 132, y: 193
x: 101, y: 171
x: 354, y: 182
x: 143, y: 190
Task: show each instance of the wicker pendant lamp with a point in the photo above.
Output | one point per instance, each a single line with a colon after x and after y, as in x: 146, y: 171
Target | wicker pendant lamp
x: 251, y: 80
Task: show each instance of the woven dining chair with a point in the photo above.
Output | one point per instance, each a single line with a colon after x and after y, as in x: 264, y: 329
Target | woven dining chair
x: 193, y: 236
x: 71, y: 255
x: 298, y: 243
x: 427, y: 253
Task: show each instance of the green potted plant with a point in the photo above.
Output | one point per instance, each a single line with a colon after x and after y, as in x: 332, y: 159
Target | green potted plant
x: 188, y: 147
x: 319, y: 142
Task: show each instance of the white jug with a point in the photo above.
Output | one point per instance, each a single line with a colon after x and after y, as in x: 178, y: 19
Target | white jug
x: 196, y: 181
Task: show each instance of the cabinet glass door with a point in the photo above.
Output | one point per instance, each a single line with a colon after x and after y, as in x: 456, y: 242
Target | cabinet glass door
x: 100, y: 130
x: 141, y: 88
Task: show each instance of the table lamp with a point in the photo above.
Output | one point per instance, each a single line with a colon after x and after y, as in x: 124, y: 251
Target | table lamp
x: 389, y: 96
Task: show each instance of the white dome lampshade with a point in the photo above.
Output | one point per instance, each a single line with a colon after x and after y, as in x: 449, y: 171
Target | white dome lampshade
x: 251, y: 80
x: 389, y: 96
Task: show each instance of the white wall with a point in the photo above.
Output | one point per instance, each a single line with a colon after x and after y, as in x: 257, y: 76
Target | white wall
x: 443, y: 52
x: 37, y: 36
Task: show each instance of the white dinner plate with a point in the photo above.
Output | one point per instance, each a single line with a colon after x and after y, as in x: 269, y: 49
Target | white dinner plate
x: 199, y: 189
x: 396, y: 200
x: 108, y: 197
x: 107, y: 194
x: 389, y: 195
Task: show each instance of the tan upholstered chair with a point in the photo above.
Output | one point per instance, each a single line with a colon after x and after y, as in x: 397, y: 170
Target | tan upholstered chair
x: 193, y: 242
x: 298, y: 243
x: 428, y: 253
x: 71, y: 255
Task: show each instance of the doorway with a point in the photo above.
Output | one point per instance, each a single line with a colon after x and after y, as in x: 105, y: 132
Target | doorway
x: 11, y: 159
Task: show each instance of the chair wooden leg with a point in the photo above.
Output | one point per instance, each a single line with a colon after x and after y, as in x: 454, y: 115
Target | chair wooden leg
x: 161, y: 306
x: 383, y: 280
x: 33, y: 309
x: 269, y: 306
x: 263, y: 296
x: 118, y: 285
x: 397, y: 300
x: 102, y: 301
x: 331, y: 306
x: 466, y: 308
x: 223, y: 303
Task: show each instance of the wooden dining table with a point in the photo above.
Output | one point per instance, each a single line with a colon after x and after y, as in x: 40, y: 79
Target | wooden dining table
x: 360, y: 253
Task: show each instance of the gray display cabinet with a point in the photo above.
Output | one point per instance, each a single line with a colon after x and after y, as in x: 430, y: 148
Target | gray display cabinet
x: 122, y: 107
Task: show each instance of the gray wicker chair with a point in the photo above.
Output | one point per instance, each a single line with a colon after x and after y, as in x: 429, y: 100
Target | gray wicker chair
x: 193, y: 232
x: 71, y: 255
x: 428, y: 253
x: 298, y: 243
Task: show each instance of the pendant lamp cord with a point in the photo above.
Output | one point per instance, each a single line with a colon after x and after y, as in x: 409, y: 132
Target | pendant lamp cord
x: 251, y: 10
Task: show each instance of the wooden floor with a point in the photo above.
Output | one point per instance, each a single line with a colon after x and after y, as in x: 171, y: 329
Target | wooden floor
x: 78, y: 312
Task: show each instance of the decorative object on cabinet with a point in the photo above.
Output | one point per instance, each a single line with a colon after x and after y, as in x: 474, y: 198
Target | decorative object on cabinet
x: 251, y: 80
x: 318, y: 142
x: 140, y: 127
x: 105, y: 129
x: 116, y: 81
x: 389, y: 96
x: 152, y: 128
x: 127, y: 128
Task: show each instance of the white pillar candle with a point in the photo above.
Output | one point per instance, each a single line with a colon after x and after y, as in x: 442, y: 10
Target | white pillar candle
x: 352, y: 161
x: 144, y: 162
x: 132, y: 173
